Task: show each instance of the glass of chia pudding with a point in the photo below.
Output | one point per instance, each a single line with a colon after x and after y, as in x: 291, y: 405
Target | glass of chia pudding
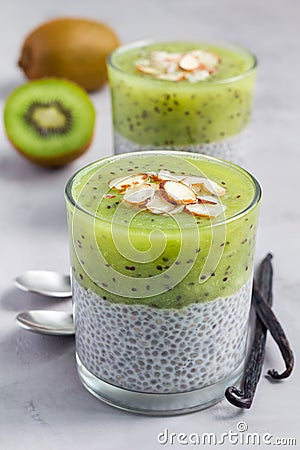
x: 186, y: 96
x: 162, y: 262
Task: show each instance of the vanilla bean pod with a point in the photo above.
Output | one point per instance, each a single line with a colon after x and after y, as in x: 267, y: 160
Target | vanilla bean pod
x: 265, y: 279
x: 243, y: 398
x: 270, y: 321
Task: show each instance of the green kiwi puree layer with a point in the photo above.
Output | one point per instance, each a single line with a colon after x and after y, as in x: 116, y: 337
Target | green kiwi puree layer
x: 149, y: 111
x: 127, y: 254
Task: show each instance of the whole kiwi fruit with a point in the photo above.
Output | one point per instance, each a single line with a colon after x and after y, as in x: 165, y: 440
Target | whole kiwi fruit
x: 71, y: 48
x: 50, y: 121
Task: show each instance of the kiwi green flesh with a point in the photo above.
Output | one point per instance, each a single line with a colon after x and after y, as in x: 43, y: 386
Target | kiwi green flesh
x: 49, y: 118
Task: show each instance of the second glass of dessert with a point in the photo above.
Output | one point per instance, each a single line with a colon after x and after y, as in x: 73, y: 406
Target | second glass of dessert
x: 162, y: 259
x: 186, y: 96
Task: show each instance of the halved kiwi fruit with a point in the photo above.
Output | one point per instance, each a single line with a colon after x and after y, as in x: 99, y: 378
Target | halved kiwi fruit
x: 50, y: 121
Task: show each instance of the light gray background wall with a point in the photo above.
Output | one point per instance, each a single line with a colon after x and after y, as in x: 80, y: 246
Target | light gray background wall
x: 42, y: 403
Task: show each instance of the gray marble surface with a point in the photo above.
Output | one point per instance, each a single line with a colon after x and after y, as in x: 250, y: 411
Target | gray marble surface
x: 42, y: 403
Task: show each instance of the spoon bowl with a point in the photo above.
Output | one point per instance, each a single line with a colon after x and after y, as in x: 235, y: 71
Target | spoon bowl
x: 55, y: 323
x: 51, y: 284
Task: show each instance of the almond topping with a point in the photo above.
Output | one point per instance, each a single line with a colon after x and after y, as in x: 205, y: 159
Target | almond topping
x: 150, y: 173
x: 207, y: 199
x: 142, y: 62
x: 139, y: 195
x: 128, y: 181
x: 158, y: 60
x: 204, y: 184
x: 210, y: 60
x: 189, y: 62
x: 173, y: 57
x: 147, y: 69
x: 194, y: 65
x: 166, y: 175
x: 177, y: 192
x: 196, y: 183
x: 158, y: 205
x: 171, y: 76
x: 172, y: 68
x: 170, y: 193
x: 199, y: 75
x: 205, y: 210
x: 153, y: 185
x: 213, y: 188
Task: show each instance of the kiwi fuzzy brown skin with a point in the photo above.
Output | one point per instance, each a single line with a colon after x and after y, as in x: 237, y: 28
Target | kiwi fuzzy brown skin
x: 71, y: 48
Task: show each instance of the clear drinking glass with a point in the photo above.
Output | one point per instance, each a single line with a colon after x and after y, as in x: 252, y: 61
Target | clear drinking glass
x: 209, y: 116
x: 161, y: 298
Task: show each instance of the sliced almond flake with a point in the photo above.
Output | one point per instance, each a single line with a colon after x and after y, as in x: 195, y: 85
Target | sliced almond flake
x: 208, y: 199
x: 198, y: 54
x: 142, y: 62
x: 213, y: 188
x: 173, y: 57
x: 164, y: 175
x: 205, y: 210
x: 129, y: 181
x: 210, y: 60
x: 177, y: 209
x: 177, y: 192
x: 158, y: 60
x: 198, y: 75
x: 159, y: 54
x: 139, y: 195
x: 147, y: 69
x: 188, y: 62
x: 205, y: 184
x: 154, y: 178
x: 172, y: 67
x: 158, y: 205
x: 151, y: 174
x: 171, y: 76
x: 155, y: 185
x: 194, y: 181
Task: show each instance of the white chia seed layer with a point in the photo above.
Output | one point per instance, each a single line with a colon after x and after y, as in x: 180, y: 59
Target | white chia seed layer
x: 155, y: 350
x: 232, y: 149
